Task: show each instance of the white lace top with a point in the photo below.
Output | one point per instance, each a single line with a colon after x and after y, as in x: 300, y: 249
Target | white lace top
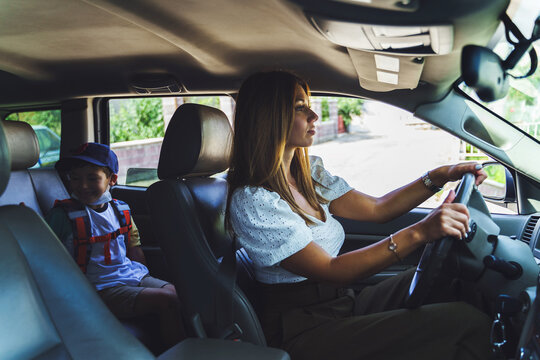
x: 270, y: 231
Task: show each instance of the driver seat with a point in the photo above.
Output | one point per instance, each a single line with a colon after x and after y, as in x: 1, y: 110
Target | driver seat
x: 188, y: 206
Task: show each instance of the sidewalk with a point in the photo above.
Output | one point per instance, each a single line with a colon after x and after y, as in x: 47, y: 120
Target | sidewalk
x: 380, y: 159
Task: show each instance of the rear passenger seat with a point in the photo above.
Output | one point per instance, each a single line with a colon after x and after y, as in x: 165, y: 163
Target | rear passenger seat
x: 49, y: 310
x: 36, y: 188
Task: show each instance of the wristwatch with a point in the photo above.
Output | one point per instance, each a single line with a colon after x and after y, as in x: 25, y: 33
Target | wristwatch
x: 429, y: 184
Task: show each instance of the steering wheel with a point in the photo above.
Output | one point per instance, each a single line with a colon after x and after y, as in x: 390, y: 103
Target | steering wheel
x: 436, y: 252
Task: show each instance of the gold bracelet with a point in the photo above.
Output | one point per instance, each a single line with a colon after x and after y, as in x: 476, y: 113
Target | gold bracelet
x: 392, y: 246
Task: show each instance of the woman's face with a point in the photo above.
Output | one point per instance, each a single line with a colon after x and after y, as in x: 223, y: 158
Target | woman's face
x: 303, y: 129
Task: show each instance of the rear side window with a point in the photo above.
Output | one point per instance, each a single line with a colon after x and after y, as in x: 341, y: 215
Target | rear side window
x: 137, y: 128
x: 46, y: 125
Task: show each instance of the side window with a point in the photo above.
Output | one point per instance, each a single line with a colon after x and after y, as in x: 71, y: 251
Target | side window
x: 137, y: 129
x: 46, y: 124
x: 377, y: 148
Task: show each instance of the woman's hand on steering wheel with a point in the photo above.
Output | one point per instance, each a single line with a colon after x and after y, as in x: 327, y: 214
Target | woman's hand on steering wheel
x: 443, y: 174
x: 448, y: 219
x: 444, y: 224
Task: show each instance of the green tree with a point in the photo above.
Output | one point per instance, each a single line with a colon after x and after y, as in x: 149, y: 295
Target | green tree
x: 48, y: 118
x: 348, y: 107
x: 325, y: 110
x: 135, y: 119
x: 496, y: 173
x: 521, y: 105
x: 204, y: 100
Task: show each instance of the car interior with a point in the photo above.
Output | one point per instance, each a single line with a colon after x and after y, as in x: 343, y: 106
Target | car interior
x: 434, y: 59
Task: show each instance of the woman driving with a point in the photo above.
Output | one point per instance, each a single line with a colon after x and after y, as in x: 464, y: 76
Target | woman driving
x: 280, y: 207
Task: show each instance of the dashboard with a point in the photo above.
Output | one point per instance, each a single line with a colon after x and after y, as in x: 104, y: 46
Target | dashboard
x: 529, y: 318
x: 531, y: 233
x: 529, y: 342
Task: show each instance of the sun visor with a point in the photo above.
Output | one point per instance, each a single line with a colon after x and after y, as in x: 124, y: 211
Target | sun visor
x: 418, y: 40
x: 386, y: 72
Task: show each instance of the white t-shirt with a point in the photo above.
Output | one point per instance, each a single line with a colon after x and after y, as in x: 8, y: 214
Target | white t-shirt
x: 121, y: 270
x: 270, y: 231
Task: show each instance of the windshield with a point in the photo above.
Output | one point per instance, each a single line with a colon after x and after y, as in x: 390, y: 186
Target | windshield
x: 521, y: 106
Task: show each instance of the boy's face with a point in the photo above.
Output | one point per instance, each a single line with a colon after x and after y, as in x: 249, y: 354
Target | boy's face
x: 89, y: 182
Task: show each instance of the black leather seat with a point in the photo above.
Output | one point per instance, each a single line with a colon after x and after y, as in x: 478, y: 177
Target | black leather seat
x: 50, y: 311
x: 36, y: 188
x: 48, y: 308
x: 187, y: 207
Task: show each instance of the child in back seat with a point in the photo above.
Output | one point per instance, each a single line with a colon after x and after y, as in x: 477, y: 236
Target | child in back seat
x: 100, y: 234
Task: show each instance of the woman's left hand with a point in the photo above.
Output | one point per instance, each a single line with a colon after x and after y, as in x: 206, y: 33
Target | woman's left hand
x: 455, y: 172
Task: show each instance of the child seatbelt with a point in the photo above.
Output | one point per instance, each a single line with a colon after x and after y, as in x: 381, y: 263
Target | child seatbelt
x: 82, y: 235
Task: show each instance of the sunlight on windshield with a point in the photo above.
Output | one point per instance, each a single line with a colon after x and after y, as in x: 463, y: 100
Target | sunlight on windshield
x: 521, y: 106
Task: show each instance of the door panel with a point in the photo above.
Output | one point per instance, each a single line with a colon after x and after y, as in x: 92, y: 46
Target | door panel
x: 511, y: 225
x: 359, y: 234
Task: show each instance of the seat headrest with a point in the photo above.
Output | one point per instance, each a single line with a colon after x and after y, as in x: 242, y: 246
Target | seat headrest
x: 22, y: 143
x: 198, y: 142
x: 5, y: 160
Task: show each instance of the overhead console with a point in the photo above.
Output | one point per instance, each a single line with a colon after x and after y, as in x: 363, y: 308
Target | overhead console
x: 397, y: 55
x: 396, y: 5
x: 394, y: 40
x: 390, y: 42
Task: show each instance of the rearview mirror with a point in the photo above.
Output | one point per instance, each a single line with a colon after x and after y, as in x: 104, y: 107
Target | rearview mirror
x: 483, y: 71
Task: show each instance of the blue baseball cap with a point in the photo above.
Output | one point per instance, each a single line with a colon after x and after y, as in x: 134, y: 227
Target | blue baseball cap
x: 93, y: 153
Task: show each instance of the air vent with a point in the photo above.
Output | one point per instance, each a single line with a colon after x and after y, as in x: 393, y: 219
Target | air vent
x: 529, y: 229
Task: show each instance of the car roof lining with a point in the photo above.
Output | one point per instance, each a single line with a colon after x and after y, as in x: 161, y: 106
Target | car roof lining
x: 62, y: 49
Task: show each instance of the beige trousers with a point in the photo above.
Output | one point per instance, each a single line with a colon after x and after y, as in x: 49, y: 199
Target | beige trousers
x: 315, y: 321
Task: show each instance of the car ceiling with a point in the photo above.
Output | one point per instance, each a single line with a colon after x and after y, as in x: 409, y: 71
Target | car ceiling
x: 56, y: 50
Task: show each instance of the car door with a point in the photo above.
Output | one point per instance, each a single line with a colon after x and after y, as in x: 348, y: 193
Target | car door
x: 380, y: 149
x: 386, y: 148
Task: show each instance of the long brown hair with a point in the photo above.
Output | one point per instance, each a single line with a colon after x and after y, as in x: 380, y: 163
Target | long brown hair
x: 263, y: 121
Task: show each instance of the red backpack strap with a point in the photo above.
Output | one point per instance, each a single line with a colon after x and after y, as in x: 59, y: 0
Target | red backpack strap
x: 80, y: 224
x: 82, y: 235
x: 123, y: 212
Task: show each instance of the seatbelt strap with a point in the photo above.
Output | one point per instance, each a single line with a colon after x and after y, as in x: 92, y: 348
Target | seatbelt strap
x: 224, y: 308
x: 123, y: 214
x: 82, y: 234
